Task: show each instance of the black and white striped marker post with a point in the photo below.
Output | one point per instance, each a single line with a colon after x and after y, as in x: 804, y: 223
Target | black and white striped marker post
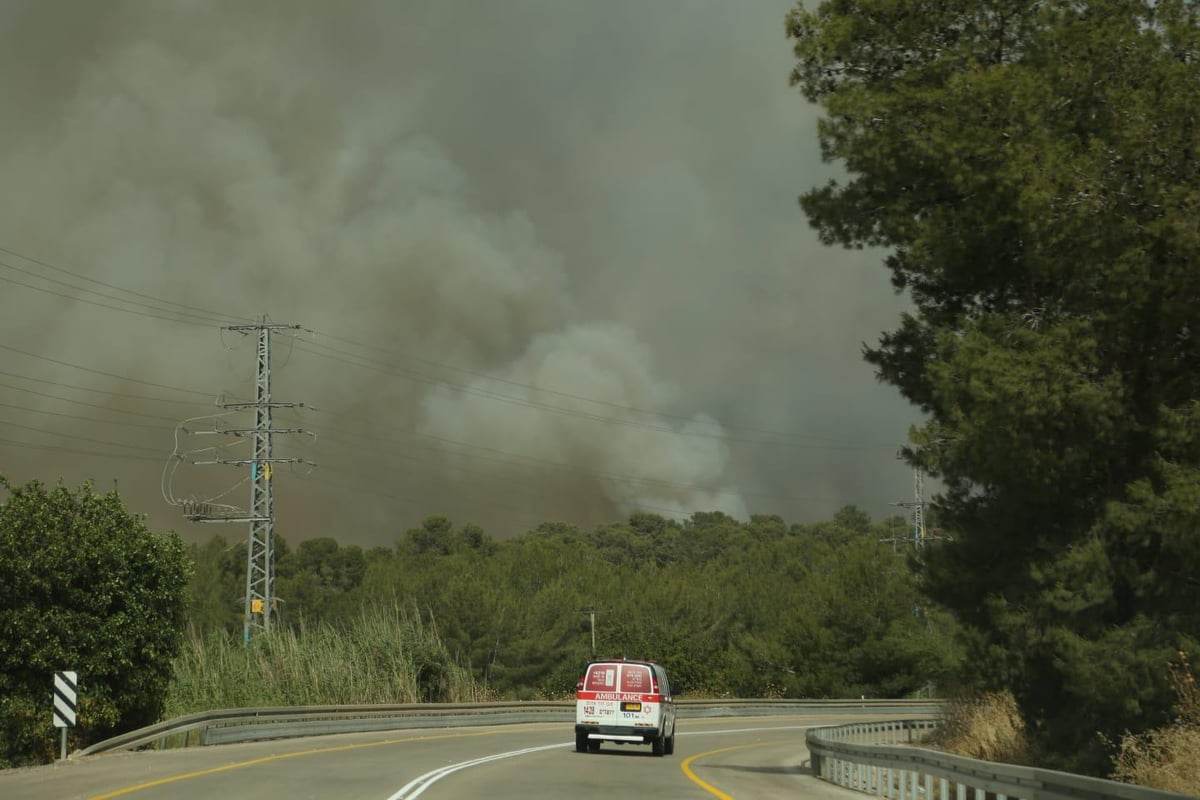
x: 65, y: 694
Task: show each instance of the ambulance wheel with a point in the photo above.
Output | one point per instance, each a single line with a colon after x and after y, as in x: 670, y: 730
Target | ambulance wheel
x: 658, y: 745
x: 594, y: 746
x: 669, y: 745
x: 581, y: 742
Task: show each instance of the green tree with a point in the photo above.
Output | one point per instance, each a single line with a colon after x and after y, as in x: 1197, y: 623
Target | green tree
x: 433, y: 537
x: 87, y: 587
x: 315, y: 581
x: 1030, y: 168
x: 732, y: 608
x: 217, y: 589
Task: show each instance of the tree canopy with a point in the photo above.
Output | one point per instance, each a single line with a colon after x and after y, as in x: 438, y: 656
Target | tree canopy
x: 87, y: 587
x: 1030, y: 169
x: 732, y: 608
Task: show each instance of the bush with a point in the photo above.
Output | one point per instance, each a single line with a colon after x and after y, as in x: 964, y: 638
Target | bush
x: 86, y: 587
x: 1167, y: 758
x: 986, y: 726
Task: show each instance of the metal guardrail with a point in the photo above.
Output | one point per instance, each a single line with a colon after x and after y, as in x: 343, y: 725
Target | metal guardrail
x: 250, y: 724
x: 880, y: 758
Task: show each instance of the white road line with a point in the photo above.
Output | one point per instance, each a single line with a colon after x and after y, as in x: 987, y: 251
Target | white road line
x: 417, y: 786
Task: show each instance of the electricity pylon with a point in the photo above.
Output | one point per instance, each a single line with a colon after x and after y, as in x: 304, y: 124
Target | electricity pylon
x: 260, y: 554
x: 919, y: 534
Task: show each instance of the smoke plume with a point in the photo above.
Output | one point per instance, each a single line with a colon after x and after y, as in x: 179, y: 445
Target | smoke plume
x: 537, y: 250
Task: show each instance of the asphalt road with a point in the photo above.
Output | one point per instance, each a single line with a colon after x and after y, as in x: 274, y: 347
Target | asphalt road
x: 746, y: 758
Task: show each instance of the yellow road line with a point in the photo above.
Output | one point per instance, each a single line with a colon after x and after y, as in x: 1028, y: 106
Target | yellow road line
x: 278, y: 757
x: 686, y: 766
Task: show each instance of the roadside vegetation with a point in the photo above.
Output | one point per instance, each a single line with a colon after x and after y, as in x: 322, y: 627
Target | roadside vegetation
x: 739, y: 609
x: 984, y: 725
x: 759, y: 608
x: 385, y: 655
x: 1168, y: 757
x: 1027, y: 171
x: 84, y: 586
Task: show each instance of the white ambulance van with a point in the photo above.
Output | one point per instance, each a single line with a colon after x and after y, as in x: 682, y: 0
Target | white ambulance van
x: 627, y: 702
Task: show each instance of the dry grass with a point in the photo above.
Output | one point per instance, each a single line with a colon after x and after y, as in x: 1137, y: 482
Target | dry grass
x: 1167, y: 758
x: 987, y: 726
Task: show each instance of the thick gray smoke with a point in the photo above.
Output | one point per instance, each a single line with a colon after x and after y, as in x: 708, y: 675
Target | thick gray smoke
x: 542, y: 248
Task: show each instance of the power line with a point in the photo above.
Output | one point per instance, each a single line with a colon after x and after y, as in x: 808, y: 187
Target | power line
x: 156, y: 313
x: 85, y: 403
x: 80, y: 438
x: 101, y: 372
x: 530, y: 460
x: 83, y: 419
x: 48, y: 265
x: 139, y: 397
x: 76, y: 451
x: 357, y: 360
x: 184, y: 313
x: 65, y: 296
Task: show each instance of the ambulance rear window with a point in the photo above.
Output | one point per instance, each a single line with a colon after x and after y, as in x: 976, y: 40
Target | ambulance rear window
x: 635, y: 678
x: 601, y: 678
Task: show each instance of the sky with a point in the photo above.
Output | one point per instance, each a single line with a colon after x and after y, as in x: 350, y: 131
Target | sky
x: 544, y: 260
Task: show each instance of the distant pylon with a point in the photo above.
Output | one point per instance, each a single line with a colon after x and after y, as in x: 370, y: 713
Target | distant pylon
x: 918, y: 507
x: 919, y: 533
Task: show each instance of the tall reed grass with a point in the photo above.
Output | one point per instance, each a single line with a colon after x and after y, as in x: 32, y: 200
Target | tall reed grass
x: 383, y: 656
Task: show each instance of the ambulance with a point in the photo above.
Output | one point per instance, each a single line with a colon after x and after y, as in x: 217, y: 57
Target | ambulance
x: 626, y: 702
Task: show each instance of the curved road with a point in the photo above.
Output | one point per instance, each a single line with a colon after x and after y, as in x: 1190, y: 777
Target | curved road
x: 746, y: 758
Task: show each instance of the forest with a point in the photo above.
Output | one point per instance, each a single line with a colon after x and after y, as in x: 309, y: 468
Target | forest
x: 744, y: 609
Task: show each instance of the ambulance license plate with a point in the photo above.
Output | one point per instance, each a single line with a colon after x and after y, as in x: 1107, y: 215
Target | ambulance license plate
x: 631, y: 706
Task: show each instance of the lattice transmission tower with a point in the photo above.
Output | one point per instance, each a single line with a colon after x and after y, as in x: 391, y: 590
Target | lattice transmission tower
x: 260, y: 555
x: 920, y: 535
